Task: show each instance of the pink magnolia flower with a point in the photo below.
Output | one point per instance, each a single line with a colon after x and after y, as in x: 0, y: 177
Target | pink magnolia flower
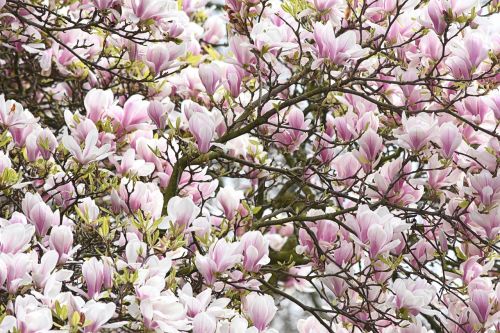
x: 221, y: 257
x: 233, y: 78
x: 480, y: 304
x: 15, y: 238
x: 255, y: 250
x: 210, y: 77
x: 61, y: 240
x: 449, y: 139
x: 90, y: 153
x: 39, y: 214
x: 98, y: 314
x: 30, y: 317
x: 401, y: 191
x: 131, y: 166
x: 17, y: 267
x: 413, y: 296
x: 485, y: 187
x: 435, y: 12
x: 204, y: 323
x: 471, y: 269
x: 295, y: 132
x: 40, y: 143
x: 440, y: 176
x: 13, y: 115
x: 489, y: 222
x: 370, y: 145
x: 164, y: 313
x: 160, y: 57
x: 310, y: 325
x: 181, y: 212
x: 152, y: 9
x: 416, y: 131
x: 158, y: 112
x: 214, y: 29
x: 97, y: 103
x: 93, y: 273
x: 202, y: 126
x: 260, y: 309
x: 339, y: 49
x: 241, y: 49
x: 229, y: 201
x: 133, y: 115
x: 474, y: 108
x: 430, y: 45
x: 41, y: 272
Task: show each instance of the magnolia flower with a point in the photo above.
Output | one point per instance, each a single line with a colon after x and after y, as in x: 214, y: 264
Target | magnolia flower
x: 30, y: 316
x: 449, y: 139
x: 133, y: 114
x: 416, y: 131
x: 260, y: 309
x: 181, y: 212
x: 202, y: 127
x: 61, y: 240
x: 255, y: 250
x: 97, y: 103
x: 164, y: 312
x: 413, y: 296
x: 152, y: 9
x: 96, y: 273
x: 370, y: 145
x: 39, y: 214
x: 160, y: 57
x: 13, y: 115
x: 134, y: 167
x: 221, y: 257
x: 210, y: 75
x: 41, y: 272
x: 229, y: 200
x: 158, y: 112
x: 90, y: 153
x: 15, y: 238
x: 204, y: 323
x: 98, y: 314
x: 310, y: 325
x: 339, y: 49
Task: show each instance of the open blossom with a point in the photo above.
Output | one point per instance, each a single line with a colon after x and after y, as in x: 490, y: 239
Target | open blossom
x: 98, y: 314
x: 221, y: 256
x: 339, y: 49
x: 413, y: 296
x: 30, y: 316
x: 13, y: 115
x: 416, y: 131
x: 90, y: 152
x: 181, y: 213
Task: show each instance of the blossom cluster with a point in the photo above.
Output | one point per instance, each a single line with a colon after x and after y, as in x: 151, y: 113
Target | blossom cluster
x: 249, y: 166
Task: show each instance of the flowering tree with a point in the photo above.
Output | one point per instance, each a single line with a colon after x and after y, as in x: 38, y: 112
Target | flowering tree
x: 197, y: 167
